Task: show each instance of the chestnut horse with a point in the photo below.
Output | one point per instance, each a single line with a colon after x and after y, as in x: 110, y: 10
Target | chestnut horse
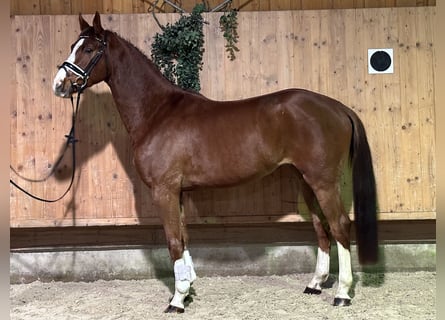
x: 183, y: 140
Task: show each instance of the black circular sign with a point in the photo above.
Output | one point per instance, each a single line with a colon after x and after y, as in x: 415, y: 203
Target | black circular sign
x: 380, y: 60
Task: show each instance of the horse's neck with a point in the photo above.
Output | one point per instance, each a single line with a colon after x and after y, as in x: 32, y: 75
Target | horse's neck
x: 138, y: 88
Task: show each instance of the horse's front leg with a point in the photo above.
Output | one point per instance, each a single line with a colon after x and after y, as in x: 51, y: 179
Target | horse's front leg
x: 172, y: 216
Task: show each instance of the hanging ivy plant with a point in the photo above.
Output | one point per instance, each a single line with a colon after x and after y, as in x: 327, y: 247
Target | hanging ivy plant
x: 178, y: 50
x: 229, y: 26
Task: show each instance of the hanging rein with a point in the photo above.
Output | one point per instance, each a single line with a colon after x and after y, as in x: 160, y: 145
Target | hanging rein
x: 78, y: 86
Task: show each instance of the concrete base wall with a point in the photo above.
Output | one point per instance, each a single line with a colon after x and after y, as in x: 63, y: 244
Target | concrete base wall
x: 142, y: 263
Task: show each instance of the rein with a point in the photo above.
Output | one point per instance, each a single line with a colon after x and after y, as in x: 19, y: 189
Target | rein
x: 70, y: 140
x: 83, y: 75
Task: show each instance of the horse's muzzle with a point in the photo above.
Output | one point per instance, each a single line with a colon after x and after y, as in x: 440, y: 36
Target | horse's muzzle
x: 61, y: 84
x: 63, y: 91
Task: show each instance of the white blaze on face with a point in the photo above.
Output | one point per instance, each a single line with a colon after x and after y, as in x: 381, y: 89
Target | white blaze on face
x: 61, y: 74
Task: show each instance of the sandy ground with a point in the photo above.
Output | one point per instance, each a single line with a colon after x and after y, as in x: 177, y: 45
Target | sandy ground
x: 376, y: 296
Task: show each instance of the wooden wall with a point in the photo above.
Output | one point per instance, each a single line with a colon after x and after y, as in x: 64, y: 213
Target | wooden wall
x: 324, y: 51
x: 39, y: 7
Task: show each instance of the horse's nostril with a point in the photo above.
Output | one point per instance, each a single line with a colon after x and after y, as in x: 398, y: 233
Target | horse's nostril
x: 58, y: 87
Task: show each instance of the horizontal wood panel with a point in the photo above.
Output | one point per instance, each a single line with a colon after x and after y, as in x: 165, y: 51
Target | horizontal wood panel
x: 298, y: 233
x: 38, y: 7
x: 323, y: 51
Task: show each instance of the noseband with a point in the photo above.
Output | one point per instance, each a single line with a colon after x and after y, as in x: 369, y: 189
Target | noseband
x: 84, y: 74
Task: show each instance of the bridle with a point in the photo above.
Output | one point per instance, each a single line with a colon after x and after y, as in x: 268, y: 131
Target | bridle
x: 84, y: 74
x: 78, y: 86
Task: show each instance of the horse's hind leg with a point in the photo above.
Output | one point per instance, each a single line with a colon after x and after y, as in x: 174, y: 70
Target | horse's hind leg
x: 329, y: 199
x: 172, y: 216
x: 321, y: 273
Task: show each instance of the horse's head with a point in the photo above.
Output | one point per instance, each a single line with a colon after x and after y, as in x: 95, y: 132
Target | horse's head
x: 86, y: 65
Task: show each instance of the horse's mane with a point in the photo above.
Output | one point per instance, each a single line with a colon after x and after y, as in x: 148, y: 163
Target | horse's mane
x: 152, y: 64
x: 138, y: 50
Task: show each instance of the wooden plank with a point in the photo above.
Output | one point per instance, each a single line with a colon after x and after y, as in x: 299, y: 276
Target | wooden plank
x: 13, y: 126
x: 232, y: 68
x: 139, y: 6
x: 249, y: 59
x: 335, y: 48
x: 425, y: 19
x: 407, y: 3
x: 241, y: 218
x: 215, y: 56
x: 389, y: 118
x: 302, y: 50
x: 401, y: 231
x: 410, y: 138
x: 88, y: 7
x: 25, y: 114
x: 267, y: 29
x: 107, y: 6
x: 54, y: 7
x: 123, y: 6
x: 40, y: 102
x: 25, y: 7
x: 316, y: 5
x: 317, y: 71
x: 371, y: 108
x: 285, y: 51
x: 342, y: 4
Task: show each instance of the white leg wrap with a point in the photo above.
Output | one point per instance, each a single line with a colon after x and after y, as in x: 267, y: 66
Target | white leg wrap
x: 184, y: 277
x: 321, y: 270
x: 188, y: 262
x: 345, y: 272
x: 182, y: 283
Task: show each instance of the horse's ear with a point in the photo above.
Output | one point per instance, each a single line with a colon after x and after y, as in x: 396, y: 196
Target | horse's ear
x: 83, y: 24
x: 96, y: 24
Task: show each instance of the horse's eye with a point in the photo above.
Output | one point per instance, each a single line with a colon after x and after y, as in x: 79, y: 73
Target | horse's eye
x: 88, y: 50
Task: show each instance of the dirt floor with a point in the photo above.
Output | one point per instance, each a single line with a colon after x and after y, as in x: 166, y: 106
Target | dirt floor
x: 376, y: 296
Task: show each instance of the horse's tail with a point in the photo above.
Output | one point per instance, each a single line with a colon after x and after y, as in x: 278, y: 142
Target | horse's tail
x: 364, y: 193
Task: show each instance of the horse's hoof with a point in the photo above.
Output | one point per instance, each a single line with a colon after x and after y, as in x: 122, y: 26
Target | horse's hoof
x: 342, y: 302
x: 311, y: 291
x: 173, y: 309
